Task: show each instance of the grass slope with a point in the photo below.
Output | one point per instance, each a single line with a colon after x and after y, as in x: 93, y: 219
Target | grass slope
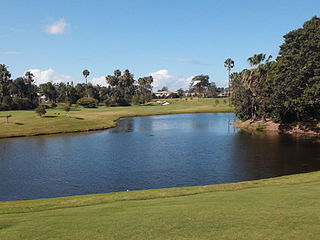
x: 26, y: 123
x: 280, y: 208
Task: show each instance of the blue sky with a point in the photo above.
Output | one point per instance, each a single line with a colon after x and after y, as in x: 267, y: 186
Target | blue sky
x: 172, y: 40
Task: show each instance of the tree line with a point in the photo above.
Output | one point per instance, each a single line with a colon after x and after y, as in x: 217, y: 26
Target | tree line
x: 22, y: 94
x: 286, y: 89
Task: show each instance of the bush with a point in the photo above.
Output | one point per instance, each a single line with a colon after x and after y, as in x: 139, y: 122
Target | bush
x: 88, y: 102
x: 41, y: 110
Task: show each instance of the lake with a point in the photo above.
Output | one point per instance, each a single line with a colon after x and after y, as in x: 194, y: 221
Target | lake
x: 147, y: 153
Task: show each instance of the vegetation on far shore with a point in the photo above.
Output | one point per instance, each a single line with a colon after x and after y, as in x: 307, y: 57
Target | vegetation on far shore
x: 286, y: 90
x: 278, y: 208
x: 79, y: 119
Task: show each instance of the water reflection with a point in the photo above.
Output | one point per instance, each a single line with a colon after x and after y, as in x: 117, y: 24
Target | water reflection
x: 148, y: 152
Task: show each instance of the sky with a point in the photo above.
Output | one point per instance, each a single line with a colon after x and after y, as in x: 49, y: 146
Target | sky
x: 172, y: 40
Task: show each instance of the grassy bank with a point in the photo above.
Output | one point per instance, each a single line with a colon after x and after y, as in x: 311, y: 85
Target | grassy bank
x: 26, y: 123
x: 279, y: 208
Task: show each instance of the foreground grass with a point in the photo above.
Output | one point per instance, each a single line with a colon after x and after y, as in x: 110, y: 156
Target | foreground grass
x: 279, y: 208
x: 26, y: 123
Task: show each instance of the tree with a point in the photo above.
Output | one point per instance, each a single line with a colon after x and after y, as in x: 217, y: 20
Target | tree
x: 145, y: 87
x: 49, y: 90
x: 229, y: 64
x: 29, y: 77
x: 5, y: 76
x: 86, y: 73
x: 164, y: 89
x: 298, y: 74
x: 122, y: 87
x: 41, y: 110
x: 199, y: 85
x: 287, y: 89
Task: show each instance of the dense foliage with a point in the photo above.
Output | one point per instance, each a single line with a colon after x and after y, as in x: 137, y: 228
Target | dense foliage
x: 17, y: 94
x: 287, y: 89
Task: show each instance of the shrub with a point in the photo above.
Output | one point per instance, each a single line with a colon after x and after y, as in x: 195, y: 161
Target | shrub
x: 41, y: 110
x: 88, y: 102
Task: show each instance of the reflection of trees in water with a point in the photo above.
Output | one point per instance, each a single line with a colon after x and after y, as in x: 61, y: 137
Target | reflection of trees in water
x: 123, y: 125
x: 260, y: 156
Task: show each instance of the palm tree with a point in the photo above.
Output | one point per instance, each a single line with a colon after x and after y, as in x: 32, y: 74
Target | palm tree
x: 257, y: 59
x: 29, y: 77
x: 229, y: 64
x: 86, y: 73
x: 254, y: 77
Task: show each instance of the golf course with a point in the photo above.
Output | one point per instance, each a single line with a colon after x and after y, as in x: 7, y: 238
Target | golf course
x: 280, y: 208
x: 79, y: 119
x: 277, y: 208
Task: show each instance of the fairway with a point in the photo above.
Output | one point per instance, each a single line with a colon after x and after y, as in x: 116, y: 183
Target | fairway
x: 280, y: 208
x: 27, y: 123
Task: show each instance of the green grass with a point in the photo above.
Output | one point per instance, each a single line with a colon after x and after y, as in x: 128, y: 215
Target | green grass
x: 26, y: 123
x: 280, y: 208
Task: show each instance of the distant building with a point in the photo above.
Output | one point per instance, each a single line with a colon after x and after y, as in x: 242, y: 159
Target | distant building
x: 224, y: 93
x: 164, y: 94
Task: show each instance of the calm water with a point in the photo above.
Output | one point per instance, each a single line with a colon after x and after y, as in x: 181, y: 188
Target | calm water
x: 148, y: 152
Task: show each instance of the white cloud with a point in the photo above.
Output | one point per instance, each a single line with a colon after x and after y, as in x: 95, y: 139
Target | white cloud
x: 44, y: 76
x: 164, y: 78
x: 99, y: 81
x: 12, y: 53
x: 57, y: 27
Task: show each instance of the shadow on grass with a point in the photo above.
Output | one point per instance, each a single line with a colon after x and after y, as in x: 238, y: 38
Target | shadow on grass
x: 79, y: 118
x: 19, y: 124
x: 49, y: 116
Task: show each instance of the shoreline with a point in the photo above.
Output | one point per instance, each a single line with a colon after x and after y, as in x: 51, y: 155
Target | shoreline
x: 272, y: 128
x: 159, y: 193
x: 103, y: 128
x: 99, y: 119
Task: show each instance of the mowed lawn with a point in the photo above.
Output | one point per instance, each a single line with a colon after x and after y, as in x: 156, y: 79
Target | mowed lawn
x: 280, y: 208
x: 25, y: 123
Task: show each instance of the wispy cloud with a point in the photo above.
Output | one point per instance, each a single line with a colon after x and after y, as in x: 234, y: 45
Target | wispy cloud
x: 186, y: 59
x: 12, y: 53
x: 57, y: 28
